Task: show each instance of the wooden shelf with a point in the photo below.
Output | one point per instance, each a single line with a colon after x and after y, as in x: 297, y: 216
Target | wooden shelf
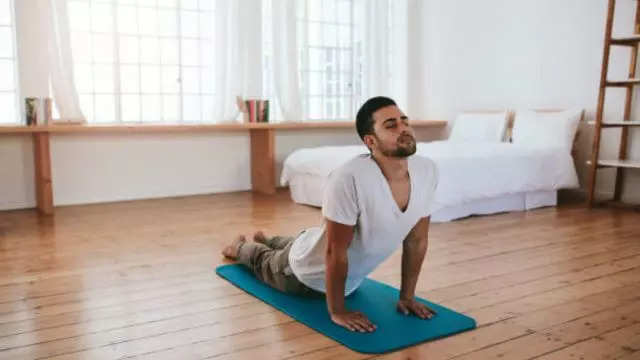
x: 159, y: 128
x: 628, y: 84
x: 617, y: 123
x: 627, y: 164
x: 626, y: 40
x: 622, y: 83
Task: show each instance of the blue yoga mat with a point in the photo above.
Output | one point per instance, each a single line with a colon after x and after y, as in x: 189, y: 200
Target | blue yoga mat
x: 373, y: 298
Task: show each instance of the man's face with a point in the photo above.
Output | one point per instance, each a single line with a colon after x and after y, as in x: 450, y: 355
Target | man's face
x: 393, y: 136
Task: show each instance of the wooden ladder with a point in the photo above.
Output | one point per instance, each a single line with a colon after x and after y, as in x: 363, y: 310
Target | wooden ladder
x: 622, y: 162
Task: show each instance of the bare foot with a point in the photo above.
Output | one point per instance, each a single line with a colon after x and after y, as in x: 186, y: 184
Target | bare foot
x: 231, y: 250
x: 259, y: 237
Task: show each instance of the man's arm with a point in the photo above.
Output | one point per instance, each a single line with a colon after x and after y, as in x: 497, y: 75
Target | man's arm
x: 339, y: 237
x: 414, y: 248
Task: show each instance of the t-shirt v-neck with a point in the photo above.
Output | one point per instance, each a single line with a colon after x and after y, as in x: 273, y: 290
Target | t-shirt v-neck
x: 358, y: 194
x: 390, y: 191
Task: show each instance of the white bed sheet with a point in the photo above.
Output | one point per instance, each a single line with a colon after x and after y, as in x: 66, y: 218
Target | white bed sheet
x: 485, y: 174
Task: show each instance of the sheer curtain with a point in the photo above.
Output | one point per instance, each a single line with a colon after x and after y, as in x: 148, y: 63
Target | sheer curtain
x: 56, y: 25
x: 285, y: 59
x: 238, y: 59
x: 372, y: 21
x: 44, y: 55
x: 382, y: 26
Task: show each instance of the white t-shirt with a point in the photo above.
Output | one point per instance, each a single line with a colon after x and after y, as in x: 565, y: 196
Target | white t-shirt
x: 358, y: 194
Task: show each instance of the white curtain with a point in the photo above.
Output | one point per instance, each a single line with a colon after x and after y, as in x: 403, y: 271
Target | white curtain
x: 382, y: 30
x: 60, y: 60
x: 44, y: 54
x: 372, y: 21
x: 238, y: 57
x: 285, y: 59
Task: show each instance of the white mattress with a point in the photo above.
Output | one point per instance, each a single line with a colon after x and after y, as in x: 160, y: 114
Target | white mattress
x: 308, y: 189
x: 475, y: 178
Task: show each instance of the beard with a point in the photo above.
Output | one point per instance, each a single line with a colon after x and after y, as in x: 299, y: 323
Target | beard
x: 405, y: 147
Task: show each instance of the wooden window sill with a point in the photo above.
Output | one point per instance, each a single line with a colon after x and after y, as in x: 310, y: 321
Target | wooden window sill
x: 151, y: 127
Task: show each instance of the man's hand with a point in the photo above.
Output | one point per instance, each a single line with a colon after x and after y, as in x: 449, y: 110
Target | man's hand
x: 415, y: 307
x: 354, y: 321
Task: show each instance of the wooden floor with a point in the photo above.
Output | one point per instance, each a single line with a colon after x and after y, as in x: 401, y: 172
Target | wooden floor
x: 135, y: 280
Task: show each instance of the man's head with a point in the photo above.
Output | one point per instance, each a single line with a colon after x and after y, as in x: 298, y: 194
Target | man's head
x: 384, y: 128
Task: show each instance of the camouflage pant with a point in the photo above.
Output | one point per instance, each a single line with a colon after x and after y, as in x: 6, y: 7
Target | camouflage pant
x: 269, y: 262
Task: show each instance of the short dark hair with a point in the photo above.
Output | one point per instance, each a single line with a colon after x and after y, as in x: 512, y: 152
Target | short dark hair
x: 364, y: 118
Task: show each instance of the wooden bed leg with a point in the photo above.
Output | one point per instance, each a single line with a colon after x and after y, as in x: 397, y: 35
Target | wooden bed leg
x: 263, y: 177
x: 42, y: 162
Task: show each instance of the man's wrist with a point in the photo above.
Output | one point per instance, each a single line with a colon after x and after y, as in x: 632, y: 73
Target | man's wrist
x: 337, y: 311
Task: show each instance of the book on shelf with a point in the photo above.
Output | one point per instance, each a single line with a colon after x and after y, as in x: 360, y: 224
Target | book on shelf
x: 38, y: 111
x: 254, y: 110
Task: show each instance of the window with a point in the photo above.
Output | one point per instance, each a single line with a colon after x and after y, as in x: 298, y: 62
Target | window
x: 153, y: 60
x: 330, y: 56
x: 8, y: 78
x: 329, y: 53
x: 143, y: 60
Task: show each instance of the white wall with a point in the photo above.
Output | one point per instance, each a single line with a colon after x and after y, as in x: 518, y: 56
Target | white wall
x: 16, y: 172
x: 525, y: 54
x: 87, y: 169
x: 101, y: 168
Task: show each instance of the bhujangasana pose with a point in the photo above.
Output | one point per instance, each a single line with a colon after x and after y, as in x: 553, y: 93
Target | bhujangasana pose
x: 372, y: 204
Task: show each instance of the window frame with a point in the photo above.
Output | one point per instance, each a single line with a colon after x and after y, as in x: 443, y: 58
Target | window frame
x: 350, y: 76
x: 118, y: 93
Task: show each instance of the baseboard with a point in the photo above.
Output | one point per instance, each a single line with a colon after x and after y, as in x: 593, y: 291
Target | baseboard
x: 16, y: 205
x: 150, y: 195
x: 572, y: 196
x: 568, y: 196
x: 580, y: 195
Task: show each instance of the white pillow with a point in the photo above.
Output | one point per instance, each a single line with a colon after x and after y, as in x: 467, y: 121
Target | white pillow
x: 546, y: 129
x: 479, y: 127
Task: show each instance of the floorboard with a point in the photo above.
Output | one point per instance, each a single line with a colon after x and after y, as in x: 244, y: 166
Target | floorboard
x: 135, y: 280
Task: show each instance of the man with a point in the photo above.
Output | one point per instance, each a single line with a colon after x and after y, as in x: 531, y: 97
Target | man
x: 372, y: 204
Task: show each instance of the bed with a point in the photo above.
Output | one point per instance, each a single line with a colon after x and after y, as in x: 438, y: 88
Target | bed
x: 478, y: 176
